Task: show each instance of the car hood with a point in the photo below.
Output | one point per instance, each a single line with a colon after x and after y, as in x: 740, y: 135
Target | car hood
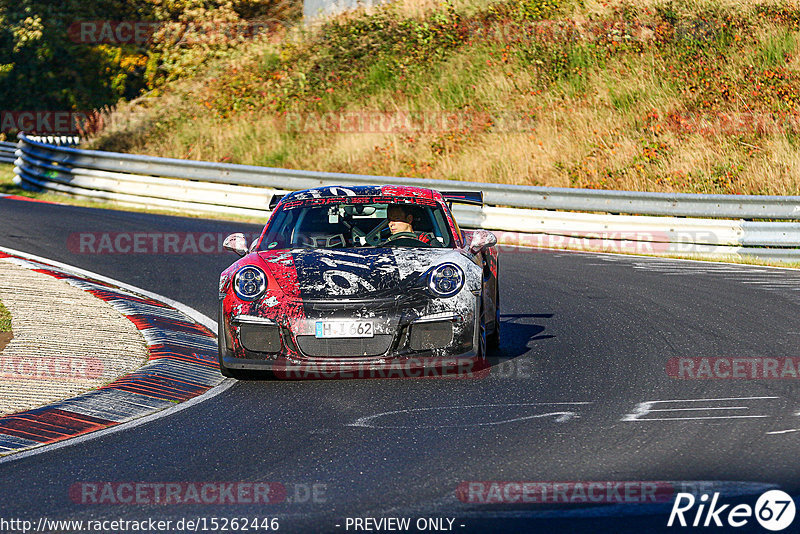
x: 354, y: 273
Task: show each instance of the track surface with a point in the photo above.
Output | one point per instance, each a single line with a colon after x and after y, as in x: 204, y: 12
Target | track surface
x: 577, y: 328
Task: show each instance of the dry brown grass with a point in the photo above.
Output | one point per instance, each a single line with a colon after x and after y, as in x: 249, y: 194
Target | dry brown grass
x: 592, y: 130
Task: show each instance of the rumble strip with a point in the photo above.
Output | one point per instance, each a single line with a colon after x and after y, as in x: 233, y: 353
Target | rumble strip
x: 182, y: 364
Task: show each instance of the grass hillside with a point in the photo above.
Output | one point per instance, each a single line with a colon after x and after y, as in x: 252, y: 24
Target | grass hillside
x: 690, y: 96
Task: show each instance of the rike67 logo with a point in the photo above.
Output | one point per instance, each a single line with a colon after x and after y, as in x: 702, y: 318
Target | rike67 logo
x: 774, y: 510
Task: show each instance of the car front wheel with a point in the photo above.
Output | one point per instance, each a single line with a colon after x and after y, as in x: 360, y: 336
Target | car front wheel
x: 493, y: 340
x: 481, y: 349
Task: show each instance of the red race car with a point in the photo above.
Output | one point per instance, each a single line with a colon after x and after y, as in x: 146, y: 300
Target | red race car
x: 360, y: 278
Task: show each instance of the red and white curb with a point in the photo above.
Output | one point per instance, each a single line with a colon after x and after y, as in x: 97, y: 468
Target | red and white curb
x: 182, y: 364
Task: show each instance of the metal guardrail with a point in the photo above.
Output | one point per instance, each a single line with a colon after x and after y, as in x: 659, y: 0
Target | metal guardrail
x: 242, y: 189
x: 58, y: 140
x: 7, y: 152
x: 518, y: 196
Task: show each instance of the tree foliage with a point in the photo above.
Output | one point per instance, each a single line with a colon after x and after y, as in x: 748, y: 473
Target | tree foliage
x: 46, y: 65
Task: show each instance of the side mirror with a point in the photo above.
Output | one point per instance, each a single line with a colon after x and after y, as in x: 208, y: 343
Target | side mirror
x: 236, y: 243
x: 481, y: 240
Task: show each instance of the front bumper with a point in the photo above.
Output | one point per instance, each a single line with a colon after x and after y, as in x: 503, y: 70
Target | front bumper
x: 413, y: 342
x: 466, y: 365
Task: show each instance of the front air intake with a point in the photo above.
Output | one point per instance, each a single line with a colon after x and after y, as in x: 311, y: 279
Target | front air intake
x: 344, y: 347
x: 260, y: 337
x: 431, y: 335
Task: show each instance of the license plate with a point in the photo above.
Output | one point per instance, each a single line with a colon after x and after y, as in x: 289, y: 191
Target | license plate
x: 327, y: 329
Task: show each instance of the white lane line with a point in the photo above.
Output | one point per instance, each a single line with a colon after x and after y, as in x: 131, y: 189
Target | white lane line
x: 781, y: 289
x: 700, y: 418
x: 773, y: 285
x: 191, y: 312
x: 560, y: 417
x: 642, y: 409
x: 719, y: 399
x: 693, y: 270
x: 701, y: 409
x: 772, y: 279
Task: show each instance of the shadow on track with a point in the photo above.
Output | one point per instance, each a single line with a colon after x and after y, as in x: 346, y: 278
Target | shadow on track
x: 517, y: 334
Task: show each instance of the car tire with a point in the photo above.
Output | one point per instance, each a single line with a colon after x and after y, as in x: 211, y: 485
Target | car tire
x: 482, y: 347
x: 493, y: 340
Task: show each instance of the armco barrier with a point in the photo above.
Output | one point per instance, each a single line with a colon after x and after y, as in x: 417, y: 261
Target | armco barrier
x: 242, y: 189
x: 7, y: 152
x: 518, y: 196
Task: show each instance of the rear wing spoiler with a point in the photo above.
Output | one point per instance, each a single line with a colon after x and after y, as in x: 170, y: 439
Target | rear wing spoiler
x: 460, y: 197
x: 464, y: 197
x: 274, y: 201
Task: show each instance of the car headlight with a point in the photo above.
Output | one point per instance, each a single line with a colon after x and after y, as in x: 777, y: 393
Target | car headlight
x: 249, y: 283
x: 446, y: 280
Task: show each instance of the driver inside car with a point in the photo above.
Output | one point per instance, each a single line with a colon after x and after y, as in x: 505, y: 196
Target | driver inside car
x: 401, y: 221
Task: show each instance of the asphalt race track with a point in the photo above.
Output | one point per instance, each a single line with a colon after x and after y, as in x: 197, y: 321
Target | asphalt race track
x: 587, y: 340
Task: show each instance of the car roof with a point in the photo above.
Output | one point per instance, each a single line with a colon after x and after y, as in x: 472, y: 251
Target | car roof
x: 400, y: 191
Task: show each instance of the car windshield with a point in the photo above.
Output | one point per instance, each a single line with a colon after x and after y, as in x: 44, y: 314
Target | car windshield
x: 357, y: 222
